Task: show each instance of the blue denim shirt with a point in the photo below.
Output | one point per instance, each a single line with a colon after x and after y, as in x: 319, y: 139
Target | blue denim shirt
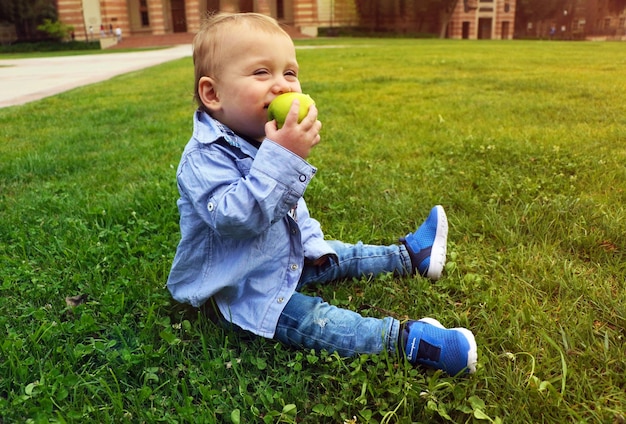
x: 245, y: 228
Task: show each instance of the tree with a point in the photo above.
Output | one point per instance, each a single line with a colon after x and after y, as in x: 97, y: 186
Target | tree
x: 437, y: 14
x: 26, y: 15
x: 428, y: 16
x: 446, y: 9
x: 537, y: 10
x: 617, y: 6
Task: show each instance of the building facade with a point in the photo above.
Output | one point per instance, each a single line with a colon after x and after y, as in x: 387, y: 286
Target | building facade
x: 92, y: 19
x: 579, y: 20
x: 593, y: 20
x: 482, y: 19
x: 473, y: 19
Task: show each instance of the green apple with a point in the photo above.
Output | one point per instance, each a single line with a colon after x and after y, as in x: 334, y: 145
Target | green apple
x: 279, y: 108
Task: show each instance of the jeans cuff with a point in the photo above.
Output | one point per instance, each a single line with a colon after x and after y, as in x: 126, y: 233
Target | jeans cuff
x: 405, y: 258
x: 393, y: 336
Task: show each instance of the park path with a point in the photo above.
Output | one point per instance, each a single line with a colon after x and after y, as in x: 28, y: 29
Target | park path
x: 26, y: 80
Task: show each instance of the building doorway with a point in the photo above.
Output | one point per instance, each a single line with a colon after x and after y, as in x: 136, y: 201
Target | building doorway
x: 280, y: 10
x: 179, y: 20
x: 246, y: 6
x: 484, y: 28
x: 465, y: 30
x: 505, y: 30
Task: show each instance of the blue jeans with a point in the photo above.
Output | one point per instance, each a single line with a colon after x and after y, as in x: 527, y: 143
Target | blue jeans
x: 309, y: 322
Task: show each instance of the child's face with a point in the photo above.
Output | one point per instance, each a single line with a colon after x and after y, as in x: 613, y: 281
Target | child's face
x: 258, y: 66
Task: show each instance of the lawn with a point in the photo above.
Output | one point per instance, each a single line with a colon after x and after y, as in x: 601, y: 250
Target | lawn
x: 524, y: 143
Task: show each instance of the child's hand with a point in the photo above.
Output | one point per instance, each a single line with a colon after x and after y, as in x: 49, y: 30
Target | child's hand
x: 297, y: 137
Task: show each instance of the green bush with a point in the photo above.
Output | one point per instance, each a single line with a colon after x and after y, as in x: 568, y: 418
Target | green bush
x: 49, y: 46
x: 56, y: 30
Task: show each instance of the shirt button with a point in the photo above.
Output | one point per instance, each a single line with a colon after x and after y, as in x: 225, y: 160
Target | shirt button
x: 210, y: 206
x: 294, y: 267
x: 280, y: 299
x: 302, y: 178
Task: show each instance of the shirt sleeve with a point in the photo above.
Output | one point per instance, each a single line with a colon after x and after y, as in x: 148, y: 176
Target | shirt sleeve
x: 312, y: 236
x: 239, y: 197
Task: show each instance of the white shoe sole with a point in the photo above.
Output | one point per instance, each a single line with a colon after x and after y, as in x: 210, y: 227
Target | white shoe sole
x: 439, y: 248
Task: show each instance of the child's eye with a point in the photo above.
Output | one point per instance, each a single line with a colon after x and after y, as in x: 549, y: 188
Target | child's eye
x: 291, y: 75
x: 261, y: 72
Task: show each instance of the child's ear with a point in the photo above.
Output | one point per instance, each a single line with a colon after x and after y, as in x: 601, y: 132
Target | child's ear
x: 208, y: 94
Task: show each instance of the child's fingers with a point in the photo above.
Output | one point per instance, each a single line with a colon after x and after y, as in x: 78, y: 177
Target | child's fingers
x: 294, y: 111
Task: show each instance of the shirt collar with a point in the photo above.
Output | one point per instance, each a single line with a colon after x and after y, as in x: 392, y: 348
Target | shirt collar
x: 208, y: 130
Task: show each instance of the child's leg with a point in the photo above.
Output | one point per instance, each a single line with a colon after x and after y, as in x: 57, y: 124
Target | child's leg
x: 310, y: 323
x: 422, y: 252
x: 357, y: 260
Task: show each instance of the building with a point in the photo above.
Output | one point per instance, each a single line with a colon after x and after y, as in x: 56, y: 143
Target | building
x: 579, y: 20
x: 482, y: 19
x: 596, y: 20
x: 95, y: 18
x: 472, y: 19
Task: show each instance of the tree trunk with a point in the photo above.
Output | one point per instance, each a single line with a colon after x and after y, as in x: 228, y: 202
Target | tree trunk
x: 445, y: 17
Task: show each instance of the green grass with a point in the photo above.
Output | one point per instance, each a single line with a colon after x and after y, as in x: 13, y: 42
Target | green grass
x: 524, y: 143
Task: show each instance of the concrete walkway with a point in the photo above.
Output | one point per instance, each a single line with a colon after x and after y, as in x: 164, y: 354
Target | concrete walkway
x: 26, y: 80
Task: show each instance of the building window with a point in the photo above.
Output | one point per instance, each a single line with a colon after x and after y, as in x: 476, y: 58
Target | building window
x: 507, y: 7
x: 143, y: 12
x: 622, y: 22
x: 607, y: 23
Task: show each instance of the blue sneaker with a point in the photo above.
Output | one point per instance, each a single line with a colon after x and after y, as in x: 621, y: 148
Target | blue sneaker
x: 427, y: 342
x: 427, y: 246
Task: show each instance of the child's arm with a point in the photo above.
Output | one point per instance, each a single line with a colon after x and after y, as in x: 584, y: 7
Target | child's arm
x: 316, y: 249
x: 241, y: 198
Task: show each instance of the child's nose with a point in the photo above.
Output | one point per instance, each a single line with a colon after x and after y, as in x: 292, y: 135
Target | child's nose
x: 282, y: 87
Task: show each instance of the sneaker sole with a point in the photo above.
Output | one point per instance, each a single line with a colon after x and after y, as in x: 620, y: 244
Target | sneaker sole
x: 438, y: 250
x: 472, y: 354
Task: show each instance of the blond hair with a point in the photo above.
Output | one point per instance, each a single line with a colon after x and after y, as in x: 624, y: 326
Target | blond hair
x: 208, y: 56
